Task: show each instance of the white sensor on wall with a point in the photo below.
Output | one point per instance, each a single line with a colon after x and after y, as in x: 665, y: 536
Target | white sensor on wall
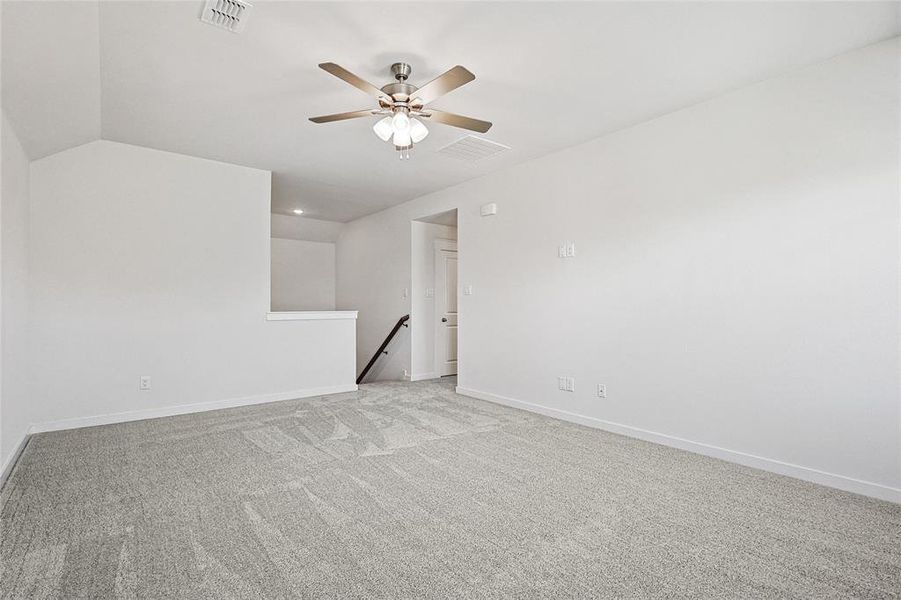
x: 488, y: 209
x: 230, y: 15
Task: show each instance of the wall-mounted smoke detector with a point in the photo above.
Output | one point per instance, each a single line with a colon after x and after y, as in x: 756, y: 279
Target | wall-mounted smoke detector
x: 472, y: 148
x: 230, y: 15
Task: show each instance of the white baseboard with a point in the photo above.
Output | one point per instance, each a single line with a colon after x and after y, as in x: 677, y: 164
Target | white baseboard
x: 423, y: 376
x: 848, y: 484
x: 169, y: 411
x: 10, y: 461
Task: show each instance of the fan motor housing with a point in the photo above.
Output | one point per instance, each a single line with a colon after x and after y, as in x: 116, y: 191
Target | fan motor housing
x: 399, y: 88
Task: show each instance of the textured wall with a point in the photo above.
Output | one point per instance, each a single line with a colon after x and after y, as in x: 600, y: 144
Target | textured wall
x: 153, y: 263
x: 735, y: 283
x: 14, y: 406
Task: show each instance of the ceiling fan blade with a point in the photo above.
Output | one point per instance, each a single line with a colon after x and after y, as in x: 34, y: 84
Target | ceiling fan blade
x: 343, y: 116
x: 456, y: 120
x: 361, y: 84
x: 443, y: 84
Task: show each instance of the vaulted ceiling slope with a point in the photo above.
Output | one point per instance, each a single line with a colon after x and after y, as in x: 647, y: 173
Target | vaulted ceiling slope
x: 549, y: 75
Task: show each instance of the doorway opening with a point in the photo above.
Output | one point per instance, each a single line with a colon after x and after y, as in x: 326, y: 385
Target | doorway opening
x: 434, y: 316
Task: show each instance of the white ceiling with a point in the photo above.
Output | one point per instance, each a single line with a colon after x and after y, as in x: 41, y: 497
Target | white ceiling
x: 549, y: 75
x: 50, y: 71
x: 447, y: 218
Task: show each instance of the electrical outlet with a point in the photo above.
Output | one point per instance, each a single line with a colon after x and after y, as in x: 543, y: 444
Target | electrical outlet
x: 144, y: 384
x: 430, y: 292
x: 602, y: 390
x: 566, y: 384
x: 566, y: 250
x: 467, y: 291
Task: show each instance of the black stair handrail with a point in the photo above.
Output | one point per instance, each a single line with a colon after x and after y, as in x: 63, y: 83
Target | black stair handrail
x: 400, y: 322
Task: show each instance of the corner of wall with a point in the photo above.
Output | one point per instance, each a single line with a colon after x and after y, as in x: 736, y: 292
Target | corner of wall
x: 14, y: 304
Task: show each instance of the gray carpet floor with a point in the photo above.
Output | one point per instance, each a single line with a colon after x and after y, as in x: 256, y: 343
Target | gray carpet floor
x: 411, y: 491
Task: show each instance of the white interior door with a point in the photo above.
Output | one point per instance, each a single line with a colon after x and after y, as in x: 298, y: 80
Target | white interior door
x: 445, y: 307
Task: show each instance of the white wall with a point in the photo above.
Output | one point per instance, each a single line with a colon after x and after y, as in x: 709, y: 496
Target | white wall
x: 736, y: 282
x: 373, y: 277
x: 303, y: 228
x: 422, y: 321
x: 303, y: 275
x: 14, y: 405
x: 151, y: 263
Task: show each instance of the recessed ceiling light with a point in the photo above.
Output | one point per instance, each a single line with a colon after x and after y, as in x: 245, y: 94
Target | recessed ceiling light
x: 298, y: 211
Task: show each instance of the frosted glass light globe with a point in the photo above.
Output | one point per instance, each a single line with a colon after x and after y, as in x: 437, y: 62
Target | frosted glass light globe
x: 400, y: 122
x: 418, y: 131
x: 383, y: 129
x: 402, y: 138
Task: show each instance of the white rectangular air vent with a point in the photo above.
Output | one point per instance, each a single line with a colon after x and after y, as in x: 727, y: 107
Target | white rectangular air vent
x: 227, y: 14
x: 471, y: 148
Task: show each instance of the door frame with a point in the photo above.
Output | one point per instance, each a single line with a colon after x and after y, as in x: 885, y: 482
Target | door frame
x: 440, y: 244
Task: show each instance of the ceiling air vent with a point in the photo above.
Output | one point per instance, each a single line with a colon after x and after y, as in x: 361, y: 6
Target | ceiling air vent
x: 227, y: 14
x: 471, y: 148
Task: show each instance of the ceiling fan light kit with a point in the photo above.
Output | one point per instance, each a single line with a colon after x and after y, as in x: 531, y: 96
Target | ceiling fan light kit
x: 402, y: 105
x: 384, y: 129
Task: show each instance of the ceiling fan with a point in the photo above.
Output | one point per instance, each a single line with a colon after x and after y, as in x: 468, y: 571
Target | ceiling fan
x: 402, y: 105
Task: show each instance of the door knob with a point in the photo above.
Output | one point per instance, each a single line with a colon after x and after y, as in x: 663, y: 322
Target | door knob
x: 444, y: 319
